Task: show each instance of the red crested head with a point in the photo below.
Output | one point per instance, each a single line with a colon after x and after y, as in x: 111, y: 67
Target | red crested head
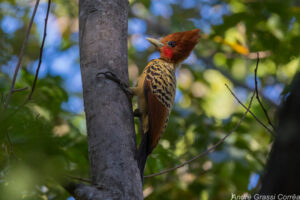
x: 176, y: 47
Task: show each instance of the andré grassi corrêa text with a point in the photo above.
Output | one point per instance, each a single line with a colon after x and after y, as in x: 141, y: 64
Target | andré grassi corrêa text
x: 265, y: 197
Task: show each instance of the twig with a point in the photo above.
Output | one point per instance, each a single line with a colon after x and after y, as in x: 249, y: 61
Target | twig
x: 21, y: 55
x: 209, y: 149
x: 257, y: 95
x: 20, y: 89
x: 79, y: 178
x: 41, y: 52
x: 254, y: 116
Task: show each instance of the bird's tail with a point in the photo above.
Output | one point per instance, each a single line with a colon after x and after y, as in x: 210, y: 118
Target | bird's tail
x: 143, y: 153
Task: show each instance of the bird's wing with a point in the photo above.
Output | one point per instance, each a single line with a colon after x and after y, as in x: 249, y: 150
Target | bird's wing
x: 158, y: 115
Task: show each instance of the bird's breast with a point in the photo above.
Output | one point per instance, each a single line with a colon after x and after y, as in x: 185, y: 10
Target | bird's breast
x: 161, y: 75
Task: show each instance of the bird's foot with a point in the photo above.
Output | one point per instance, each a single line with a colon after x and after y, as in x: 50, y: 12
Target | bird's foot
x: 111, y: 76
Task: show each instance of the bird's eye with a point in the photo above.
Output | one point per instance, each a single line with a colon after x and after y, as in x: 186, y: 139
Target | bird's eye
x: 171, y: 44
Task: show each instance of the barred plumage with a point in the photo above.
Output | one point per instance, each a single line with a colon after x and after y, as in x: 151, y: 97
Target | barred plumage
x: 161, y: 74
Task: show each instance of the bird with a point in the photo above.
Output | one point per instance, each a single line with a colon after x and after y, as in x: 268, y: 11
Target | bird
x: 156, y: 89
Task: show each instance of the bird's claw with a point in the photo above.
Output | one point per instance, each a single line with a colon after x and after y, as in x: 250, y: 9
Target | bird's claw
x: 111, y: 76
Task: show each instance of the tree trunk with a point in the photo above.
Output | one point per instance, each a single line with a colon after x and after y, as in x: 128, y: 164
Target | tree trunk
x: 109, y: 117
x: 283, y: 169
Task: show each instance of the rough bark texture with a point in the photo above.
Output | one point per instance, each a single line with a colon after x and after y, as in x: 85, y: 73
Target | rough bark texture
x: 111, y: 136
x: 283, y: 169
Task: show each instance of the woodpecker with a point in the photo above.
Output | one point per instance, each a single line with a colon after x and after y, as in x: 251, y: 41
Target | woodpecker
x: 157, y: 86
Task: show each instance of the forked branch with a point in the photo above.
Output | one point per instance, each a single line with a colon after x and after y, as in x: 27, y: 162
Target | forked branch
x: 18, y: 66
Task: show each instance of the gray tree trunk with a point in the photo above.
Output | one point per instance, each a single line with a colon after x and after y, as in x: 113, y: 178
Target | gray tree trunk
x: 111, y: 136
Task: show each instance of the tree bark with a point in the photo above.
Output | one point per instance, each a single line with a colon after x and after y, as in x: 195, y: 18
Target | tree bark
x: 282, y: 173
x: 109, y: 118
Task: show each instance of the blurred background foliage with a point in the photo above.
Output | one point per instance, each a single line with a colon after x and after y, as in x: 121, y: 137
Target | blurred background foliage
x: 44, y: 140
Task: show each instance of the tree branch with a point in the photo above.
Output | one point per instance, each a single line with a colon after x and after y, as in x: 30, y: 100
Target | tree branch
x: 254, y: 116
x: 41, y: 52
x: 20, y: 89
x: 79, y: 178
x: 257, y: 95
x: 21, y: 55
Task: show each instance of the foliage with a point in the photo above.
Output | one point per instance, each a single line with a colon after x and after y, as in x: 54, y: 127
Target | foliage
x: 44, y: 140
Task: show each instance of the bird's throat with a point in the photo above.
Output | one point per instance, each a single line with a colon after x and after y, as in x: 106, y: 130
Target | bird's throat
x: 168, y: 52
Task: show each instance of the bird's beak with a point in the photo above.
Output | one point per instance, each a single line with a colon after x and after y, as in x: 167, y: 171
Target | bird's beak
x: 158, y: 44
